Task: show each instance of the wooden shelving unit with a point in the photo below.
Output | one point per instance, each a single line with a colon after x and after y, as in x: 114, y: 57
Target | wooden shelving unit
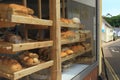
x: 55, y: 41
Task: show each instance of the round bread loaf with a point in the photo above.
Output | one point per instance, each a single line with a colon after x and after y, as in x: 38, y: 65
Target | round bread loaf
x: 69, y: 51
x: 63, y: 54
x: 13, y: 38
x: 9, y: 65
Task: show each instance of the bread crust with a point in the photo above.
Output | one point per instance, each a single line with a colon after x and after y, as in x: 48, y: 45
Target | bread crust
x: 9, y: 65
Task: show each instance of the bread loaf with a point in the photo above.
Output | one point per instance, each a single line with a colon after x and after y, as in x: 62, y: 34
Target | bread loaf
x: 68, y: 35
x: 63, y: 54
x: 29, y: 59
x: 78, y: 48
x: 74, y: 48
x: 44, y: 53
x: 21, y: 9
x: 81, y: 48
x: 69, y: 51
x: 13, y: 38
x: 67, y: 21
x: 9, y: 65
x: 16, y: 9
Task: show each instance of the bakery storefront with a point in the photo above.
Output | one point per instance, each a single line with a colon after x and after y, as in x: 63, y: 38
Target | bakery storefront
x: 49, y: 39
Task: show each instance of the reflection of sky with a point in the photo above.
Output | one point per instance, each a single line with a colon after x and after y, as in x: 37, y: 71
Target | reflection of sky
x: 110, y: 6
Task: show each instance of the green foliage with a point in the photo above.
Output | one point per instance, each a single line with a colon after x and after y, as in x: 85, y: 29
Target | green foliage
x: 113, y: 21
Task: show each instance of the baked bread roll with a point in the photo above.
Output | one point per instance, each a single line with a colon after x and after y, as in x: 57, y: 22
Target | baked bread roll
x: 81, y: 48
x: 69, y: 51
x: 68, y: 35
x: 12, y: 38
x: 9, y: 65
x: 63, y: 54
x: 74, y: 48
x: 44, y: 53
x: 29, y: 59
x: 67, y: 21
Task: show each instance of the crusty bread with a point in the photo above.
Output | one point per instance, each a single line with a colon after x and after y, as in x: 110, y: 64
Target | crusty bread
x: 78, y: 48
x: 67, y: 21
x: 44, y: 53
x: 68, y: 35
x: 21, y: 9
x: 12, y: 38
x: 9, y: 65
x: 69, y: 51
x: 63, y: 54
x: 29, y: 59
x: 74, y: 48
x: 16, y: 9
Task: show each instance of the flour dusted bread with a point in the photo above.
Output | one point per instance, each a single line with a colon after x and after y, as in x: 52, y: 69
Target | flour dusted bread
x: 9, y: 65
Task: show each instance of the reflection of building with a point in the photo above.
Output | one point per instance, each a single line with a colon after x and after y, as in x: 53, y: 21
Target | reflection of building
x: 107, y: 31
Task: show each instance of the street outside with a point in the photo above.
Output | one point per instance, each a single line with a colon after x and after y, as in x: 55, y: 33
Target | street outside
x: 111, y: 52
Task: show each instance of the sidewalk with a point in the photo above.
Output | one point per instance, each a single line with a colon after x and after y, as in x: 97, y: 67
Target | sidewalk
x: 104, y: 44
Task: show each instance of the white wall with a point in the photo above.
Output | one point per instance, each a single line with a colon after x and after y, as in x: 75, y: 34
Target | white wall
x: 109, y: 34
x: 103, y: 33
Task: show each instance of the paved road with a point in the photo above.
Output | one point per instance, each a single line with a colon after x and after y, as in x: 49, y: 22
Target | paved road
x: 112, y: 54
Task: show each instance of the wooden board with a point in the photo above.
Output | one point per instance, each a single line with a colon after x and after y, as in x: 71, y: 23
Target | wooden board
x: 55, y: 35
x: 35, y: 27
x: 27, y: 71
x: 71, y: 41
x: 5, y: 47
x: 85, y: 60
x: 5, y: 75
x: 6, y: 24
x: 74, y: 55
x: 33, y: 69
x: 71, y: 25
x: 10, y: 48
x: 31, y: 45
x: 29, y: 20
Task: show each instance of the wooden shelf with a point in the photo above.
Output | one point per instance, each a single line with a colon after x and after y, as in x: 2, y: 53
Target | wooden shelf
x: 86, y: 32
x: 6, y: 47
x: 72, y: 41
x: 74, y: 55
x: 28, y: 20
x: 71, y: 25
x: 27, y: 71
